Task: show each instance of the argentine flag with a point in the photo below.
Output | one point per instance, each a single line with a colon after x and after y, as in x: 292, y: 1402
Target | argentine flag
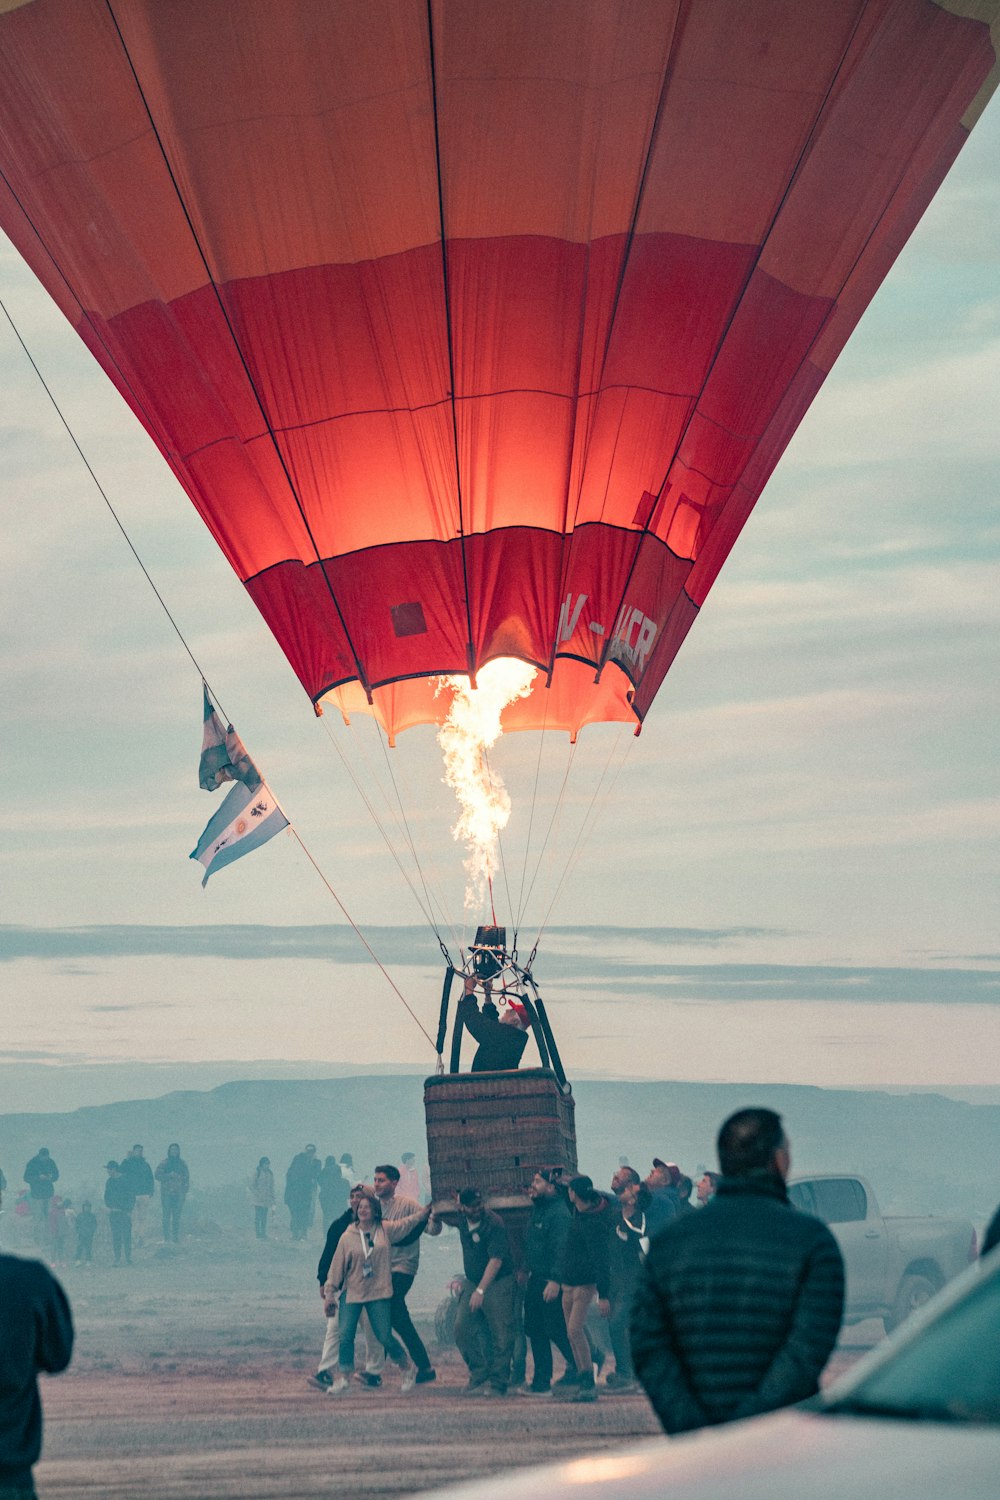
x: 223, y: 754
x: 247, y: 819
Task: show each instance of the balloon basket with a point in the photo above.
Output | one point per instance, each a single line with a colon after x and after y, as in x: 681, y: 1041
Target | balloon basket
x: 492, y: 1131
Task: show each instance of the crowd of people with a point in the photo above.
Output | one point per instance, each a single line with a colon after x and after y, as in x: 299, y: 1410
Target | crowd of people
x: 721, y: 1300
x: 65, y: 1231
x: 532, y: 1293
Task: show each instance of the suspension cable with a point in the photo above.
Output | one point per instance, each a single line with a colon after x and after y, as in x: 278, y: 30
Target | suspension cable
x: 587, y: 826
x: 556, y: 811
x: 442, y: 905
x: 503, y: 861
x: 430, y: 905
x: 531, y: 819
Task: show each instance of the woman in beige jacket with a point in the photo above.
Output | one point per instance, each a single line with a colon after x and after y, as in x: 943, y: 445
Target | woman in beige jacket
x: 361, y: 1270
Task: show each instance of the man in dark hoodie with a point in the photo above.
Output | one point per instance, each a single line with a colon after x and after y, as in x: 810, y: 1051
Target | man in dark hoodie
x: 586, y: 1274
x: 36, y: 1334
x: 41, y: 1174
x: 738, y: 1306
x: 544, y: 1245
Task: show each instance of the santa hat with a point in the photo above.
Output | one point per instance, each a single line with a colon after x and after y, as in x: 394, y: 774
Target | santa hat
x: 515, y: 1015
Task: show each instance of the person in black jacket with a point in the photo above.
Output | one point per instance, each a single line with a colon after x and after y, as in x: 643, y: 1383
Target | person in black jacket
x: 36, y: 1334
x: 544, y: 1247
x: 119, y: 1200
x: 484, y: 1318
x: 586, y: 1273
x: 139, y: 1174
x: 41, y: 1174
x: 333, y: 1191
x: 738, y: 1307
x: 300, y: 1190
x: 502, y: 1039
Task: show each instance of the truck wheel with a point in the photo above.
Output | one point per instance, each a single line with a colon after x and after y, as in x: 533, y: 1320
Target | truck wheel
x: 913, y: 1292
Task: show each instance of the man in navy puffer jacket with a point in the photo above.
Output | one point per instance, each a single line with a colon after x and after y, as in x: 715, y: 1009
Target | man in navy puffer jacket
x: 738, y: 1306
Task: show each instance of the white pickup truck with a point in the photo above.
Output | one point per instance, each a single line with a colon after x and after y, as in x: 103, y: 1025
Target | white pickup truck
x: 893, y: 1265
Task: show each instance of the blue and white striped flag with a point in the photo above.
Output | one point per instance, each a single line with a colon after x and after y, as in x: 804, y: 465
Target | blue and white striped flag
x: 247, y: 819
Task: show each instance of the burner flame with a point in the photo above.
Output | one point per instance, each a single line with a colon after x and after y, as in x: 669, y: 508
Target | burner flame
x: 470, y: 730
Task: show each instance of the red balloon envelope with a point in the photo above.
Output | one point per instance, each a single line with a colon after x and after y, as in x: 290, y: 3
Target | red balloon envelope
x: 475, y: 330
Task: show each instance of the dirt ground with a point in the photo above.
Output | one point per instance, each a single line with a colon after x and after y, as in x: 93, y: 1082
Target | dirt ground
x: 190, y: 1380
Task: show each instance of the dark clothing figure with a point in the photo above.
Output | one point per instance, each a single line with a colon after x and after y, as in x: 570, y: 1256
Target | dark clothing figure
x: 119, y: 1200
x: 41, y: 1174
x: 174, y: 1178
x: 992, y: 1236
x: 544, y: 1323
x: 262, y: 1196
x: 482, y: 1242
x: 36, y: 1333
x: 137, y: 1172
x: 586, y: 1257
x: 737, y: 1308
x: 663, y: 1208
x: 300, y: 1191
x: 485, y: 1336
x: 333, y: 1191
x: 628, y: 1253
x: 86, y: 1228
x: 501, y: 1045
x: 333, y: 1237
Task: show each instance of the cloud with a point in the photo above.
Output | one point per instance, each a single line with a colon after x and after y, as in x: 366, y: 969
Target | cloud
x: 589, y: 962
x: 409, y: 946
x: 27, y: 1054
x: 799, y: 983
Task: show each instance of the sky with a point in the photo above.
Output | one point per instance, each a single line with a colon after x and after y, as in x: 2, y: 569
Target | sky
x: 791, y: 875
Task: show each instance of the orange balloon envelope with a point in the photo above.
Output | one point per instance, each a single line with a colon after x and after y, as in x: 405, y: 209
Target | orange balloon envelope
x: 475, y: 330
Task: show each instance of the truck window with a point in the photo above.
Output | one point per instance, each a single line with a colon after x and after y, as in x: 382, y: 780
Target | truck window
x: 839, y: 1200
x: 802, y: 1197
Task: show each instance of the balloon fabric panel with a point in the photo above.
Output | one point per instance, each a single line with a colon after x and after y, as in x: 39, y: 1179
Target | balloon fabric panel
x: 481, y: 339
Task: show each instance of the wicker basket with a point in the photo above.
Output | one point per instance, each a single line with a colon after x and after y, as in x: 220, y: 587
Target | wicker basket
x: 493, y: 1131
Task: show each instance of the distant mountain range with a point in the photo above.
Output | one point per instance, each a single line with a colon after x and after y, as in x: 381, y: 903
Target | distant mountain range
x: 922, y: 1153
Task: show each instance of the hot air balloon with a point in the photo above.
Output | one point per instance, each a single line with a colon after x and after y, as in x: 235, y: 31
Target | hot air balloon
x: 473, y: 332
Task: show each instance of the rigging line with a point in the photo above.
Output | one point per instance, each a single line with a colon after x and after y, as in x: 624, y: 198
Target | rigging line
x: 531, y: 820
x: 588, y: 824
x: 224, y: 311
x: 819, y: 119
x: 104, y: 496
x: 177, y: 631
x: 587, y: 829
x: 552, y: 822
x: 503, y: 861
x: 373, y: 813
x: 446, y: 285
x: 371, y: 951
x: 441, y: 905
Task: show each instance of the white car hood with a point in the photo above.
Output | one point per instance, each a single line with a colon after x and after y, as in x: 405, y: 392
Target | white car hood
x: 789, y: 1456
